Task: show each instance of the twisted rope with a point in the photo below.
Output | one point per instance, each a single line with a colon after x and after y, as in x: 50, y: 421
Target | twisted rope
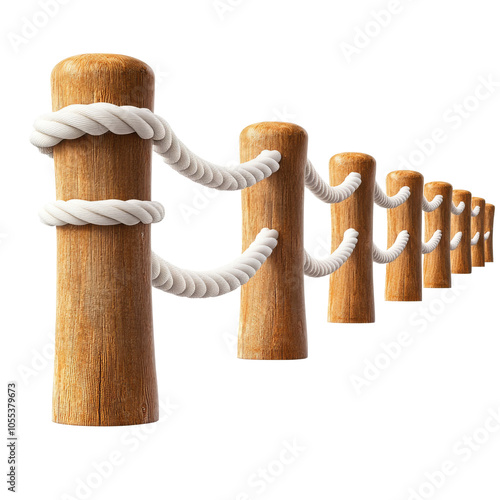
x: 98, y: 118
x: 432, y: 244
x: 456, y: 240
x: 487, y: 235
x: 330, y: 194
x: 476, y: 211
x: 102, y: 213
x: 457, y: 209
x: 195, y: 284
x: 474, y: 240
x: 318, y: 268
x: 384, y: 201
x: 430, y: 206
x: 391, y: 254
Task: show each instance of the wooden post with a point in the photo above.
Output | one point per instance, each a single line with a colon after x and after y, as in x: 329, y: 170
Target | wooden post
x: 477, y: 226
x: 403, y: 278
x: 104, y: 361
x: 351, y: 297
x: 272, y: 315
x: 489, y: 216
x: 461, y: 260
x: 437, y: 264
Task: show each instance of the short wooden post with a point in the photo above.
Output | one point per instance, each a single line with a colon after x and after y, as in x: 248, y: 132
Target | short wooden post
x: 272, y: 315
x: 477, y: 226
x: 489, y: 215
x: 437, y: 264
x: 403, y: 278
x: 351, y: 297
x: 461, y: 257
x: 104, y: 361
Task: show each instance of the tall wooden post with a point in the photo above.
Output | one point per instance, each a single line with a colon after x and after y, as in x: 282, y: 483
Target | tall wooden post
x: 477, y: 226
x: 403, y: 278
x: 461, y: 257
x: 437, y: 264
x: 489, y: 216
x: 272, y: 316
x: 104, y: 361
x: 351, y: 297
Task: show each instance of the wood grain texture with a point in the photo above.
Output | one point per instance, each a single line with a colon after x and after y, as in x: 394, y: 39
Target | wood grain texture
x: 104, y: 363
x: 272, y: 315
x: 489, y: 216
x: 477, y: 225
x: 351, y: 297
x: 437, y: 264
x: 461, y: 257
x: 403, y: 278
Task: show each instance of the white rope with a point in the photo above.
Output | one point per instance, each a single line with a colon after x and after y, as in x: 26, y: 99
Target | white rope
x: 487, y: 235
x: 194, y: 284
x: 318, y: 268
x: 102, y: 213
x: 457, y: 209
x: 430, y: 206
x: 391, y: 254
x: 384, y: 201
x: 456, y: 240
x: 476, y: 211
x: 432, y: 244
x: 474, y: 240
x: 98, y: 118
x: 330, y: 194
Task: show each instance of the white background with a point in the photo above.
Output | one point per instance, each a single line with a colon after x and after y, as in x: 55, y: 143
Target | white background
x: 219, y: 70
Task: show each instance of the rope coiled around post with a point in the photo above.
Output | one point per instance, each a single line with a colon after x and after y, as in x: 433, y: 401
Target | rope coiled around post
x: 384, y: 201
x: 487, y: 235
x: 391, y: 254
x: 476, y: 211
x: 318, y: 268
x: 102, y: 212
x: 76, y: 120
x: 327, y: 193
x: 195, y: 284
x: 432, y: 244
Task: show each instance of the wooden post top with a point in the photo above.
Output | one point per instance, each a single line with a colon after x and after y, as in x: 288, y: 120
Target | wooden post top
x: 480, y: 201
x: 352, y: 158
x: 438, y: 185
x: 462, y: 192
x: 114, y: 78
x: 405, y: 174
x: 265, y: 129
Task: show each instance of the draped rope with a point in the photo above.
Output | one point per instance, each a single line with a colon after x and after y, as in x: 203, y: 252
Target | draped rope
x: 456, y: 240
x: 318, y: 268
x: 99, y: 118
x: 384, y: 201
x: 432, y: 244
x: 476, y: 211
x: 195, y: 284
x: 457, y: 209
x: 327, y: 193
x: 430, y: 206
x: 475, y: 239
x: 487, y: 235
x: 392, y: 253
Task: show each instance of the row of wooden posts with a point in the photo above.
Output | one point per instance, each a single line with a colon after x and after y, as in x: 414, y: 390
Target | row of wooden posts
x: 272, y: 319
